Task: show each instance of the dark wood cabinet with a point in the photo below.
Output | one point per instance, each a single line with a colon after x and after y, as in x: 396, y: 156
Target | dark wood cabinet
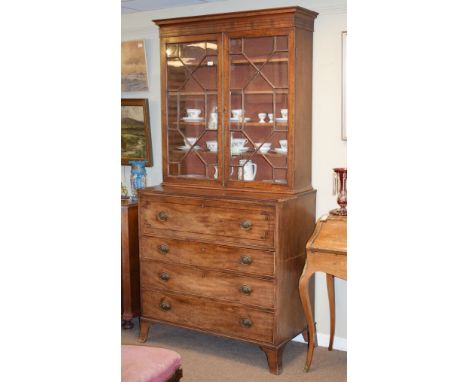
x: 222, y: 240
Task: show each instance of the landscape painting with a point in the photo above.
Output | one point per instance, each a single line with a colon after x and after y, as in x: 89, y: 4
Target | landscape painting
x: 135, y: 131
x: 133, y: 66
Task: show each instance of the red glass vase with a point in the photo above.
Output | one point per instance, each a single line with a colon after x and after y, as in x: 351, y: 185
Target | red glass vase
x: 341, y: 175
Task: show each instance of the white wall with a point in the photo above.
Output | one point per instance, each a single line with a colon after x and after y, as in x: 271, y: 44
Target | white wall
x: 328, y: 149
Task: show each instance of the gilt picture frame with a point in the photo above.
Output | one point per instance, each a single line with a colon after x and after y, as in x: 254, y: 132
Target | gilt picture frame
x: 135, y: 132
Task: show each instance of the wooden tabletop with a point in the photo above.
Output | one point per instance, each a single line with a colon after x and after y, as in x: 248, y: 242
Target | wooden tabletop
x: 330, y: 235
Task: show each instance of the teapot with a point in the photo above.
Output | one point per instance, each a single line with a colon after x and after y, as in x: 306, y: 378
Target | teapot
x: 247, y: 169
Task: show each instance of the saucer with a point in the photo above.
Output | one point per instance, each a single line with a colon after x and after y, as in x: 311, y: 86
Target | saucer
x: 197, y: 119
x: 279, y: 150
x: 238, y: 120
x: 240, y: 151
x: 281, y: 120
x: 187, y: 148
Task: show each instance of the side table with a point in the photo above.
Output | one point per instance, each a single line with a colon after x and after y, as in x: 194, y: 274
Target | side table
x: 130, y: 271
x: 326, y: 252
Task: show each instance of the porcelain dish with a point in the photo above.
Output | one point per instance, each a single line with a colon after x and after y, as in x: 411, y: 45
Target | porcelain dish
x: 187, y: 148
x: 190, y: 119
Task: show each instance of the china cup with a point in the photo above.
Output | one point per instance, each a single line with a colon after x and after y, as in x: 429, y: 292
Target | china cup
x: 261, y: 117
x: 190, y: 141
x: 284, y: 144
x: 237, y: 113
x: 193, y: 113
x: 237, y: 144
x: 284, y: 113
x: 212, y: 145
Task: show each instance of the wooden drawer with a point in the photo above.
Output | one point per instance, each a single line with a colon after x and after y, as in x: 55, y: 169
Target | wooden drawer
x: 208, y: 255
x: 213, y: 284
x: 205, y: 314
x: 195, y: 218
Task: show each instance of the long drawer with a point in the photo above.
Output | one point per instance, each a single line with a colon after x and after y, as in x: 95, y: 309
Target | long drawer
x: 208, y: 255
x: 226, y: 286
x: 186, y: 217
x: 201, y: 313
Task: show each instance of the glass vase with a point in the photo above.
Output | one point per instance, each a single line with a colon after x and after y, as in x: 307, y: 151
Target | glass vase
x: 137, y: 177
x: 341, y: 175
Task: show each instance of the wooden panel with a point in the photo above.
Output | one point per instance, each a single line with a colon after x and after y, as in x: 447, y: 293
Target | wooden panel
x: 296, y: 224
x: 198, y: 217
x: 303, y: 109
x: 332, y: 263
x: 130, y: 277
x: 208, y: 255
x: 206, y: 314
x: 214, y: 284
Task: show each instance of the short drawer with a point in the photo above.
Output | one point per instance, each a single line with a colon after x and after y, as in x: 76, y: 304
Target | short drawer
x: 200, y: 313
x: 221, y: 285
x: 239, y: 223
x: 208, y: 255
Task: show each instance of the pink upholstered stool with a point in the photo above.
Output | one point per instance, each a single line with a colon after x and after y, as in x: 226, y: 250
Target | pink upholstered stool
x: 150, y: 364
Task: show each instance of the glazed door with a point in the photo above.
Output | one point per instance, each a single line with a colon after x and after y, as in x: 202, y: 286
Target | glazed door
x: 258, y: 109
x: 191, y: 89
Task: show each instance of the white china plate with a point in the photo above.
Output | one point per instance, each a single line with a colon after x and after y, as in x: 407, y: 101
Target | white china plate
x: 188, y: 119
x: 280, y: 151
x: 238, y: 120
x: 281, y: 120
x: 187, y: 148
x: 240, y: 151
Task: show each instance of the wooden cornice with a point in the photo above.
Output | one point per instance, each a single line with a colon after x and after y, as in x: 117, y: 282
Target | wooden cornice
x: 285, y: 17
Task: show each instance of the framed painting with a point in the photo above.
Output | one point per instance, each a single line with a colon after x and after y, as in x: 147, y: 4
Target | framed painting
x: 134, y: 77
x: 135, y: 131
x: 344, y: 134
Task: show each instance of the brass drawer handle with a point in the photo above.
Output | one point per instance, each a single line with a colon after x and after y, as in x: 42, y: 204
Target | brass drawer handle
x: 164, y: 276
x: 162, y: 216
x: 246, y: 322
x: 246, y: 260
x: 246, y: 224
x: 245, y: 289
x: 164, y: 249
x: 165, y: 305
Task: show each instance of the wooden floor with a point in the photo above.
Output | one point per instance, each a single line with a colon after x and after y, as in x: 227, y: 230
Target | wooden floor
x: 215, y: 359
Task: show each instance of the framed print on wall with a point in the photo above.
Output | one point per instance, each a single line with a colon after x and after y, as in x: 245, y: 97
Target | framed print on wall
x: 134, y: 76
x: 135, y: 131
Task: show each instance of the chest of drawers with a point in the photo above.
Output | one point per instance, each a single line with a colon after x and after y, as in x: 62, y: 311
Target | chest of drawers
x: 225, y: 263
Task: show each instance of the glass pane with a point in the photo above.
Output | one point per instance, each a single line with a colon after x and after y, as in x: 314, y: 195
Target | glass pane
x: 191, y: 54
x: 235, y: 45
x: 258, y: 106
x: 258, y: 47
x: 259, y: 109
x: 192, y: 122
x: 276, y: 70
x: 177, y: 75
x: 242, y: 72
x: 172, y: 50
x: 281, y: 43
x: 205, y: 74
